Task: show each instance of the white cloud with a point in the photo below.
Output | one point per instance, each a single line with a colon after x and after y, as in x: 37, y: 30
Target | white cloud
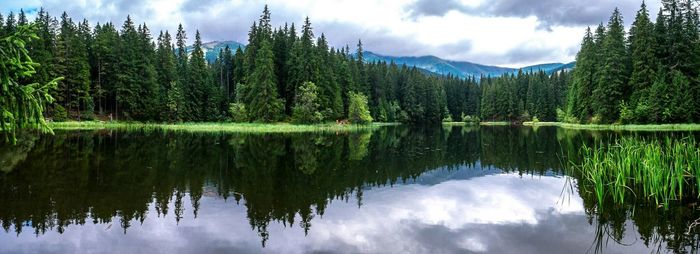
x: 453, y: 30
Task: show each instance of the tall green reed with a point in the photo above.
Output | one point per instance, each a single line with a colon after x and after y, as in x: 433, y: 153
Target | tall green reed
x: 662, y: 171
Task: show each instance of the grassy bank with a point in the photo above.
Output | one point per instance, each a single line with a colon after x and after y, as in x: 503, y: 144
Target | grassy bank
x: 216, y: 127
x: 658, y: 171
x: 460, y: 124
x: 495, y: 123
x: 620, y: 127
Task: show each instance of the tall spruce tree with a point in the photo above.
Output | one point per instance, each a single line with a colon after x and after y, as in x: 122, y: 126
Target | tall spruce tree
x: 611, y: 88
x: 264, y: 104
x: 642, y: 48
x: 196, y: 88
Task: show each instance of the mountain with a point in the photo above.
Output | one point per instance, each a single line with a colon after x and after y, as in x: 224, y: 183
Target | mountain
x: 462, y: 69
x: 211, y: 49
x: 429, y: 64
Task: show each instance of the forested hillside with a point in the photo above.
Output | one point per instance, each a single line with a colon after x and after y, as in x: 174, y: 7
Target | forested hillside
x: 647, y: 76
x: 123, y: 73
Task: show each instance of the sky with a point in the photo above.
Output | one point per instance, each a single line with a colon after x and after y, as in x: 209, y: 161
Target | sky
x: 510, y: 33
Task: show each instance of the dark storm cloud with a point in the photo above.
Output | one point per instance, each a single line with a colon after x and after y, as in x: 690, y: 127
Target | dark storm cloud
x: 548, y: 12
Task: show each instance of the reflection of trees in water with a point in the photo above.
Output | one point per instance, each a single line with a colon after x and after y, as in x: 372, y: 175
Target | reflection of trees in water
x: 79, y: 177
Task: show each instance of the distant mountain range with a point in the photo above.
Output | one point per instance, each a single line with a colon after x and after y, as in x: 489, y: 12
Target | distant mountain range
x: 462, y: 69
x: 430, y: 64
x: 212, y: 49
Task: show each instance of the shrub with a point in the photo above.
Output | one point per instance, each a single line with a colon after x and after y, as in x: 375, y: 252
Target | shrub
x: 60, y: 114
x: 238, y: 112
x: 627, y: 114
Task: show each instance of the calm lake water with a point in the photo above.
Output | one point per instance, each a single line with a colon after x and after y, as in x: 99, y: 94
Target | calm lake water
x: 394, y: 190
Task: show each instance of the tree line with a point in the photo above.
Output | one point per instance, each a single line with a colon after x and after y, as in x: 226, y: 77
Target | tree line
x: 647, y: 76
x: 524, y: 96
x: 281, y: 75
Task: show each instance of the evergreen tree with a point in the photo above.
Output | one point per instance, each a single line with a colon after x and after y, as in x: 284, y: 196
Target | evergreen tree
x: 171, y: 95
x: 197, y: 94
x: 642, y: 45
x: 105, y: 66
x: 579, y: 98
x: 72, y: 63
x: 611, y: 89
x: 21, y: 105
x: 264, y: 104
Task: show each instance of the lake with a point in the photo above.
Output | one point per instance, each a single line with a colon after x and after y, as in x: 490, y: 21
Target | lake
x: 394, y: 190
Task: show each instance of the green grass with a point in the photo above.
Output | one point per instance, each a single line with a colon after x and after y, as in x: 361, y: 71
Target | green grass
x: 495, y: 123
x: 659, y: 171
x: 460, y: 123
x: 216, y: 127
x: 541, y: 124
x: 619, y: 127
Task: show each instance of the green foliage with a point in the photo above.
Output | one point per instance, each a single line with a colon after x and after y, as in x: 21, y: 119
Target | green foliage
x: 610, y: 88
x: 358, y: 111
x: 470, y: 119
x: 627, y: 114
x: 263, y: 103
x: 659, y: 171
x: 174, y: 103
x: 59, y: 113
x: 238, y: 113
x: 21, y: 105
x: 653, y: 71
x: 306, y: 108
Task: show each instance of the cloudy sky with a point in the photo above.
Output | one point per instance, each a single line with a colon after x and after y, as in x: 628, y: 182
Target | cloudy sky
x: 497, y: 32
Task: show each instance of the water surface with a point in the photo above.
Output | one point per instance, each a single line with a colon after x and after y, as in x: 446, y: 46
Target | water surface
x: 394, y: 190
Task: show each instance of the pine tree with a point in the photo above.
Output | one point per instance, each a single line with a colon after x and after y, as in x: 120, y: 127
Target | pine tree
x: 611, y: 88
x: 22, y: 18
x: 642, y: 48
x: 182, y: 71
x: 21, y: 105
x: 196, y: 88
x: 170, y: 101
x: 72, y: 56
x: 105, y: 66
x: 264, y: 105
x: 331, y: 102
x: 10, y: 24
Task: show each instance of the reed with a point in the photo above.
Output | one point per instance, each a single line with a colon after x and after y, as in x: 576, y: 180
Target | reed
x: 662, y: 171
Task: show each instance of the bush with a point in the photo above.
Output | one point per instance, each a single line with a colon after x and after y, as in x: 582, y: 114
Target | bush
x: 448, y: 119
x: 564, y: 117
x: 470, y: 119
x: 358, y: 111
x: 238, y: 113
x: 627, y: 115
x: 60, y: 114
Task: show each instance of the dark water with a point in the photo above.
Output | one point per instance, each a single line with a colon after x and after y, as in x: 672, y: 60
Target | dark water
x: 394, y: 190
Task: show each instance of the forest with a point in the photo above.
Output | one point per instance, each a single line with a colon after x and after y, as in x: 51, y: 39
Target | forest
x: 647, y: 76
x: 124, y: 74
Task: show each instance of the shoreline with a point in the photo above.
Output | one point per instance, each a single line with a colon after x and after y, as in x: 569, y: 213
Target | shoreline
x: 617, y: 127
x: 216, y: 127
